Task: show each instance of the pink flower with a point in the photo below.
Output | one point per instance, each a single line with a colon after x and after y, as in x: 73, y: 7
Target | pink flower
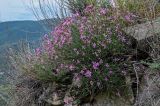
x: 110, y: 72
x: 107, y: 65
x: 62, y: 65
x: 128, y: 18
x: 71, y: 67
x: 106, y: 78
x: 94, y: 45
x: 68, y: 100
x: 88, y: 74
x: 68, y: 21
x: 89, y: 9
x: 103, y: 11
x: 62, y: 33
x: 95, y: 65
x: 76, y: 15
x: 84, y: 18
x: 38, y: 51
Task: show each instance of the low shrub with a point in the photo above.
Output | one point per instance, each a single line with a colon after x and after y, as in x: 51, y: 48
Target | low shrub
x: 85, y: 52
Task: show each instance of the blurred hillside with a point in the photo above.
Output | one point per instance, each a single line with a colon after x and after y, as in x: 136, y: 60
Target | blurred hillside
x: 11, y: 33
x: 15, y: 31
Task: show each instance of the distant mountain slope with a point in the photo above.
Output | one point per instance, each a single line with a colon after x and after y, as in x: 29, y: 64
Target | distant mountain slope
x: 14, y: 31
x: 11, y: 32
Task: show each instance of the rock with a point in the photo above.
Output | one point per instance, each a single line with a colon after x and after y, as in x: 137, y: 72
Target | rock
x: 103, y: 100
x: 144, y: 30
x: 149, y: 90
x: 55, y: 100
x: 147, y: 36
x: 55, y: 103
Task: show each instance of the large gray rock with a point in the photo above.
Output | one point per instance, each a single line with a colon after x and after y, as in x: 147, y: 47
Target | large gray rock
x: 144, y: 30
x: 147, y: 36
x: 103, y: 100
x: 150, y: 90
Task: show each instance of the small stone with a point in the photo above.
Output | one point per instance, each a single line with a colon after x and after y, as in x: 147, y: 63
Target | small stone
x: 56, y: 101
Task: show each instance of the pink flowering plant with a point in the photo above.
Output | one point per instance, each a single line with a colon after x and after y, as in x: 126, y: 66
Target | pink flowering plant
x: 82, y: 52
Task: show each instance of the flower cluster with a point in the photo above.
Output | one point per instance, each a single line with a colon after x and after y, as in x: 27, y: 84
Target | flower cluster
x: 62, y: 33
x: 83, y: 46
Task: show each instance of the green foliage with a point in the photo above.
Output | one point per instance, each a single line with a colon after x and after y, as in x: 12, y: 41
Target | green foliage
x: 80, y: 5
x: 144, y: 9
x: 155, y: 65
x: 83, y: 52
x: 95, y: 84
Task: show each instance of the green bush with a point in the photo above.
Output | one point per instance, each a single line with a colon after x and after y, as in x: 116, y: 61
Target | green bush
x: 85, y: 52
